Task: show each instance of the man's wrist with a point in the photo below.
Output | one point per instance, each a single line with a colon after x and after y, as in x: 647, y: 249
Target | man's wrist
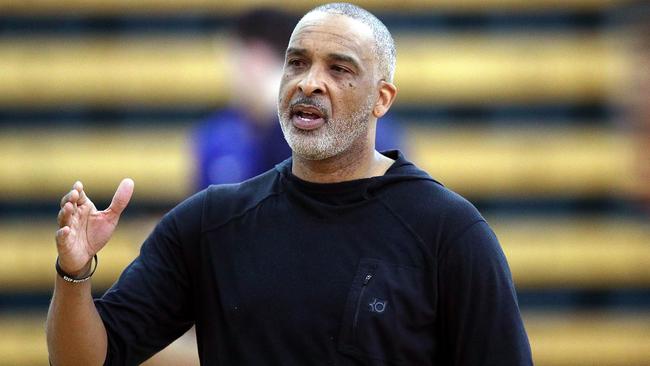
x: 77, y: 276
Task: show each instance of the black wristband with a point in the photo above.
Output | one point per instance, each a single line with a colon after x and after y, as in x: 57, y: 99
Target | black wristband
x: 73, y: 279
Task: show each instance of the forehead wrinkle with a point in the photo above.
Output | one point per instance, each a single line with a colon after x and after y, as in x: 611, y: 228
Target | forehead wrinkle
x: 298, y: 43
x: 306, y: 29
x: 319, y: 26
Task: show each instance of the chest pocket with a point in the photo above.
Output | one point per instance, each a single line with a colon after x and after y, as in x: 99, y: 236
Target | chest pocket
x: 389, y: 315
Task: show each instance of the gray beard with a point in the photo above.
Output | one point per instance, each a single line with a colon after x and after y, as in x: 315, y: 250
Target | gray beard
x: 332, y: 138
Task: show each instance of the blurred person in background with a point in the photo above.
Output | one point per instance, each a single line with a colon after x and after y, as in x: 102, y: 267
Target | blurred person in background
x: 341, y: 255
x: 635, y: 99
x: 245, y: 139
x: 641, y: 103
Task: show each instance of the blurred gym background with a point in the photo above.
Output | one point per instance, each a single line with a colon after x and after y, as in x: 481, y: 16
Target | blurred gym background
x: 536, y: 110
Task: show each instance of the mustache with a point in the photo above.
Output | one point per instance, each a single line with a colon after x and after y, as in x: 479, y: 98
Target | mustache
x: 311, y: 102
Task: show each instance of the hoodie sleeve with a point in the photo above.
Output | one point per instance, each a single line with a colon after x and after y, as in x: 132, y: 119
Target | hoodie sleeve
x: 480, y: 318
x: 149, y: 306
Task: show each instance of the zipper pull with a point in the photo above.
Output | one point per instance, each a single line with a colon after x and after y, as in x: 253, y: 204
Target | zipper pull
x: 367, y: 279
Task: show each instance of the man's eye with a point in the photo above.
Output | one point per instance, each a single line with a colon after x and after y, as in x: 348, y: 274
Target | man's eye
x: 339, y: 69
x: 296, y: 63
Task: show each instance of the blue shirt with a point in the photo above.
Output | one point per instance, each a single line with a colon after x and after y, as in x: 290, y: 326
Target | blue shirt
x: 230, y: 148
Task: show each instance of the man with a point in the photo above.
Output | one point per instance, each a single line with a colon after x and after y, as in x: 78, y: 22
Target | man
x: 340, y: 255
x: 245, y: 139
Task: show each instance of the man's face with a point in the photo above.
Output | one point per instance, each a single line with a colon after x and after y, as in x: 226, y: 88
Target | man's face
x: 328, y: 87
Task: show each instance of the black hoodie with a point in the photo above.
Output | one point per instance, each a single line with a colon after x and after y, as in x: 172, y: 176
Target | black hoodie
x: 389, y: 270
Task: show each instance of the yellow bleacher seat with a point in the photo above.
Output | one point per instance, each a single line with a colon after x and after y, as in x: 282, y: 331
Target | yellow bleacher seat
x: 188, y: 71
x: 43, y: 164
x: 514, y: 162
x: 587, y: 252
x: 527, y: 161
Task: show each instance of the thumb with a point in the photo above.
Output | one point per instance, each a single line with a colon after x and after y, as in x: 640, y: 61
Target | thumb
x: 122, y: 197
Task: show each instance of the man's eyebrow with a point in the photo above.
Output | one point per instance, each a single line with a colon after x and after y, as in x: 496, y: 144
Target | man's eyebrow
x: 296, y: 51
x: 344, y: 58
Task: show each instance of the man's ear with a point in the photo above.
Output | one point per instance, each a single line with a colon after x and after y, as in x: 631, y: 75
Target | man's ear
x: 387, y: 94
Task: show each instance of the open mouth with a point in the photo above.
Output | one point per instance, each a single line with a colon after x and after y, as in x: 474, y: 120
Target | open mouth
x: 306, y: 117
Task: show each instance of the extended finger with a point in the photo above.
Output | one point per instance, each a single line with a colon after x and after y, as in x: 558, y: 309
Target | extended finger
x: 122, y: 197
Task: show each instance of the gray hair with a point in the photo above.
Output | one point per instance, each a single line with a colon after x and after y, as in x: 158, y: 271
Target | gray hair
x: 384, y: 44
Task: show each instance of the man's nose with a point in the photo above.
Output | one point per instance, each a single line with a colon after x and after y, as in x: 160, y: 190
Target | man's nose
x: 312, y: 83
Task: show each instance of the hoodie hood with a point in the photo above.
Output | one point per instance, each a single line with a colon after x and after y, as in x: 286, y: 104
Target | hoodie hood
x: 353, y: 191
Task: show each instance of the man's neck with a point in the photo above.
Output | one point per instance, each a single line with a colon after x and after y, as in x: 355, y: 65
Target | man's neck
x: 347, y: 166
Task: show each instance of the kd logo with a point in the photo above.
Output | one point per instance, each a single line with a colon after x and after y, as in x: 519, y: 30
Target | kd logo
x: 377, y: 305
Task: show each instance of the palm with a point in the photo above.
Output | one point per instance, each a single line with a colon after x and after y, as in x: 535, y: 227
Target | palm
x: 85, y: 230
x: 91, y: 230
x: 98, y: 231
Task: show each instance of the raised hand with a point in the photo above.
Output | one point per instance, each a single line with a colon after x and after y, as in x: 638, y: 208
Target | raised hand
x: 83, y: 230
